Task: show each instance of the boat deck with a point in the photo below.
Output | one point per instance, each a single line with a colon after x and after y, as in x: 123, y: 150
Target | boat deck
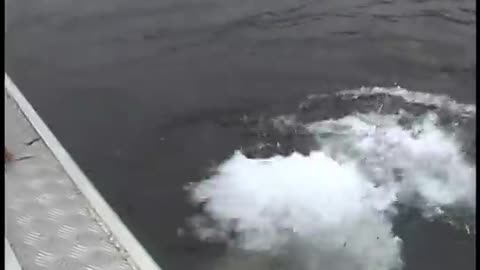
x: 54, y: 217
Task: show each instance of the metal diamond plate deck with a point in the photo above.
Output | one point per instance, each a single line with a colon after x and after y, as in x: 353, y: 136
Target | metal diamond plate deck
x: 49, y: 222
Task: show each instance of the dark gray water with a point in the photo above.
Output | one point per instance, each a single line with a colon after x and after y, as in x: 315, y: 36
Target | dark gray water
x: 138, y: 91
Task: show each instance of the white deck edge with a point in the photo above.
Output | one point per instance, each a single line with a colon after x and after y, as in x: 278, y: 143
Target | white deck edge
x: 11, y: 261
x: 122, y: 234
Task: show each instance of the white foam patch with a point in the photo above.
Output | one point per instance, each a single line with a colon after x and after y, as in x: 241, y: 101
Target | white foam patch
x: 332, y: 209
x: 426, y: 99
x: 428, y: 160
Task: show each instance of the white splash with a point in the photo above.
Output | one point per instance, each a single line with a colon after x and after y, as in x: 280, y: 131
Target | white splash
x: 332, y: 209
x: 429, y: 161
x: 310, y: 200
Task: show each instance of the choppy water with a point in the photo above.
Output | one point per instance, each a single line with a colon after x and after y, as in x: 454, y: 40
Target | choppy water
x: 156, y: 94
x: 334, y: 205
